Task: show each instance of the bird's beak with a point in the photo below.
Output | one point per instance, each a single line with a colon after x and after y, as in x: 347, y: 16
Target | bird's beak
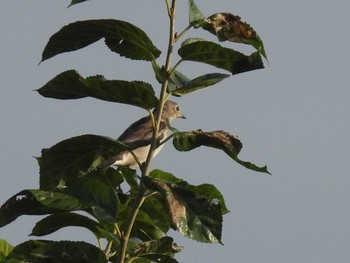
x: 182, y: 116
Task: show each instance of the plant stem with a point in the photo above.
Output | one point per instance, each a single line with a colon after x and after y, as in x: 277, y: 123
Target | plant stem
x: 140, y: 198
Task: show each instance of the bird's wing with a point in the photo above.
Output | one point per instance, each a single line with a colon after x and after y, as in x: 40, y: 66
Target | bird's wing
x: 142, y: 130
x: 139, y: 130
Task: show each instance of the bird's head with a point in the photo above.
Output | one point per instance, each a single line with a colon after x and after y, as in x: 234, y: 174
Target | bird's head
x: 171, y: 111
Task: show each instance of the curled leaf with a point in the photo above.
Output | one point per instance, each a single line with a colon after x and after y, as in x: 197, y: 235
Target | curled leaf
x: 230, y: 144
x: 227, y: 26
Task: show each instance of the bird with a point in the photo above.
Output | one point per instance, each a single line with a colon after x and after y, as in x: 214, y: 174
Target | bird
x: 142, y: 131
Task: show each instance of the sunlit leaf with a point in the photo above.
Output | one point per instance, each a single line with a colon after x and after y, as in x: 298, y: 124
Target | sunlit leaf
x: 220, y: 57
x: 230, y: 144
x: 43, y: 251
x: 120, y: 36
x: 196, y: 18
x: 227, y: 26
x: 5, y: 249
x: 71, y: 85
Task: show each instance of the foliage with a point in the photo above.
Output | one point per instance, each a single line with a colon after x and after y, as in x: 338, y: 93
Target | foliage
x: 73, y: 191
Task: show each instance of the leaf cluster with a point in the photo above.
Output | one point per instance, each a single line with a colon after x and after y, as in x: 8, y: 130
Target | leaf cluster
x: 130, y: 213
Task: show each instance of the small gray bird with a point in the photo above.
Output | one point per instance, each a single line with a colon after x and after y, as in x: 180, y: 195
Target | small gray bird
x: 142, y: 130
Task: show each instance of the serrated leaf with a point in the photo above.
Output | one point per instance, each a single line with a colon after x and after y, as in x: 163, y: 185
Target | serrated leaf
x: 71, y: 85
x: 120, y: 36
x: 75, y: 157
x: 199, y: 83
x: 55, y: 222
x: 5, y: 249
x: 43, y: 251
x: 227, y: 26
x: 230, y: 144
x: 196, y: 17
x: 37, y: 202
x: 220, y: 57
x: 192, y: 215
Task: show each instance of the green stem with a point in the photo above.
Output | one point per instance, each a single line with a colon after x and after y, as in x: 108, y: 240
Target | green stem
x: 139, y: 199
x: 182, y: 32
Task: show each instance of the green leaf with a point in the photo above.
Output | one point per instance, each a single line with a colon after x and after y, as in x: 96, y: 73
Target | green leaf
x: 227, y: 26
x: 71, y: 85
x: 165, y: 177
x: 74, y: 2
x: 196, y: 17
x: 101, y: 197
x: 199, y: 83
x: 220, y: 57
x: 155, y: 208
x: 230, y: 144
x: 207, y: 190
x: 43, y: 251
x: 155, y: 251
x: 192, y: 215
x: 37, y: 202
x: 120, y: 36
x: 75, y: 157
x: 55, y: 222
x: 5, y: 249
x: 211, y: 193
x: 144, y: 227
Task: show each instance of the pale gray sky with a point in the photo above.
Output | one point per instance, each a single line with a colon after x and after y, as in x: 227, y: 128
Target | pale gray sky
x: 292, y: 116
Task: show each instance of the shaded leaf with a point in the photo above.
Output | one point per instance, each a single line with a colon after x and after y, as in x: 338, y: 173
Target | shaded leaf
x: 227, y: 26
x: 74, y: 2
x: 220, y: 57
x: 101, y: 197
x: 5, y: 249
x: 196, y: 17
x: 43, y: 251
x: 55, y: 222
x: 230, y: 144
x: 75, y: 157
x: 155, y: 251
x: 165, y: 177
x: 120, y: 36
x: 207, y: 190
x: 37, y: 202
x: 71, y: 85
x: 155, y: 209
x: 198, y: 83
x: 192, y: 215
x: 144, y: 227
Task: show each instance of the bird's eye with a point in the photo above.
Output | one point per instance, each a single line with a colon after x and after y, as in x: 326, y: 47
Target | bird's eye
x: 177, y: 108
